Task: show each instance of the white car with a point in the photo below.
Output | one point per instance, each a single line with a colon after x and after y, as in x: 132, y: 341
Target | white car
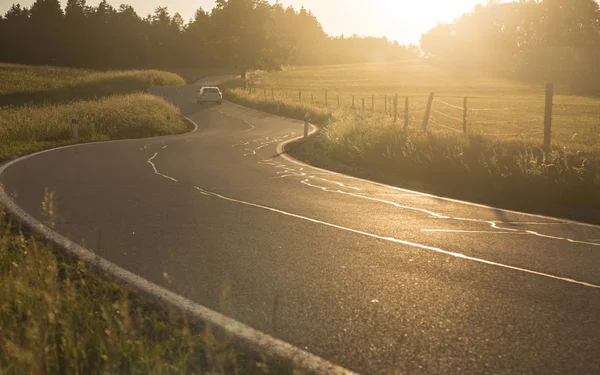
x: 209, y: 95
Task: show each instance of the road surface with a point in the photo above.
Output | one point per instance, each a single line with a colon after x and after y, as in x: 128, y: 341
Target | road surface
x: 377, y: 279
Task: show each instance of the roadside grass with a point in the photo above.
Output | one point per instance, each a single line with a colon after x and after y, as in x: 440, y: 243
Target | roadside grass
x: 501, y: 161
x: 57, y: 316
x: 27, y: 129
x: 36, y: 105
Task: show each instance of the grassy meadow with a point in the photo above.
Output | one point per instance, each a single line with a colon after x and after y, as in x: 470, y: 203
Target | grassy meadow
x: 36, y: 105
x: 501, y: 161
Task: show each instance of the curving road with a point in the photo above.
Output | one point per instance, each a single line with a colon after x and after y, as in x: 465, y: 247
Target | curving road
x: 374, y: 278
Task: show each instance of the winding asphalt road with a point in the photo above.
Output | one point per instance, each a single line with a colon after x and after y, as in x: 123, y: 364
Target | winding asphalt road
x: 377, y: 279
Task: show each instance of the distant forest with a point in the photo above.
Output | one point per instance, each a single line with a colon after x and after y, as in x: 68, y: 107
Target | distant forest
x: 242, y: 34
x: 553, y: 40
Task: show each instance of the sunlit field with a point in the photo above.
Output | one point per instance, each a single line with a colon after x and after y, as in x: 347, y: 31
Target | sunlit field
x: 37, y: 103
x: 496, y: 107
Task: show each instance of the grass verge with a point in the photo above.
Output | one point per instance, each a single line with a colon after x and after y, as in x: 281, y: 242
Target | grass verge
x: 27, y: 129
x: 57, y: 316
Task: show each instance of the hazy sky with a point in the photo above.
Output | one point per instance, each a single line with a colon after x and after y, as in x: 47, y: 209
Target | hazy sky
x: 402, y: 20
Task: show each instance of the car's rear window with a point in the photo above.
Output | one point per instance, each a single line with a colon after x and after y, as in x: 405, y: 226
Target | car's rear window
x: 211, y: 90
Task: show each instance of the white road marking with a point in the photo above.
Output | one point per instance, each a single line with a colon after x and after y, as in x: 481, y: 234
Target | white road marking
x: 399, y: 241
x: 156, y: 170
x: 251, y: 127
x: 531, y: 223
x: 289, y: 171
x: 491, y: 223
x: 561, y: 238
x: 469, y: 231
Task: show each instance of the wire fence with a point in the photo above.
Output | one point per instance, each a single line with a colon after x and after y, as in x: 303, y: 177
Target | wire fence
x: 501, y: 116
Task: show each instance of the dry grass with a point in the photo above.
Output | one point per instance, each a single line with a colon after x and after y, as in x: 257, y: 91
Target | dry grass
x: 57, y: 316
x: 27, y: 129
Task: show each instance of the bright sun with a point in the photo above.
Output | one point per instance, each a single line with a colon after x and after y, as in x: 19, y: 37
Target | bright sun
x: 407, y: 20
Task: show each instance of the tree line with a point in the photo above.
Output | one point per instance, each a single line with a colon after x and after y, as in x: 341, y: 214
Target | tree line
x: 242, y: 34
x: 554, y: 40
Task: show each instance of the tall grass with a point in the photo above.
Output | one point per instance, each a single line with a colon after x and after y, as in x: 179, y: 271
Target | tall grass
x: 235, y: 93
x: 28, y: 128
x: 59, y: 317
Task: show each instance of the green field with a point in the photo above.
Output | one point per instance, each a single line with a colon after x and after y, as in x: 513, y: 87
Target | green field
x: 36, y: 105
x: 496, y: 107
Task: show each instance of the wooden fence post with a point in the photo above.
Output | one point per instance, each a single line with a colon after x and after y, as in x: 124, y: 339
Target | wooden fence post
x: 465, y: 111
x: 312, y: 98
x: 352, y: 101
x: 363, y: 105
x: 272, y: 94
x: 373, y: 103
x: 406, y: 113
x: 265, y: 93
x: 338, y: 99
x: 548, y: 114
x: 326, y: 101
x: 300, y: 95
x: 428, y: 111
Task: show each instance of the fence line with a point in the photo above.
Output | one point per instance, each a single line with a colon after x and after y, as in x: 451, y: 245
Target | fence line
x: 448, y: 104
x: 504, y: 109
x: 448, y: 116
x: 445, y: 126
x: 471, y: 118
x: 512, y: 135
x: 504, y: 122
